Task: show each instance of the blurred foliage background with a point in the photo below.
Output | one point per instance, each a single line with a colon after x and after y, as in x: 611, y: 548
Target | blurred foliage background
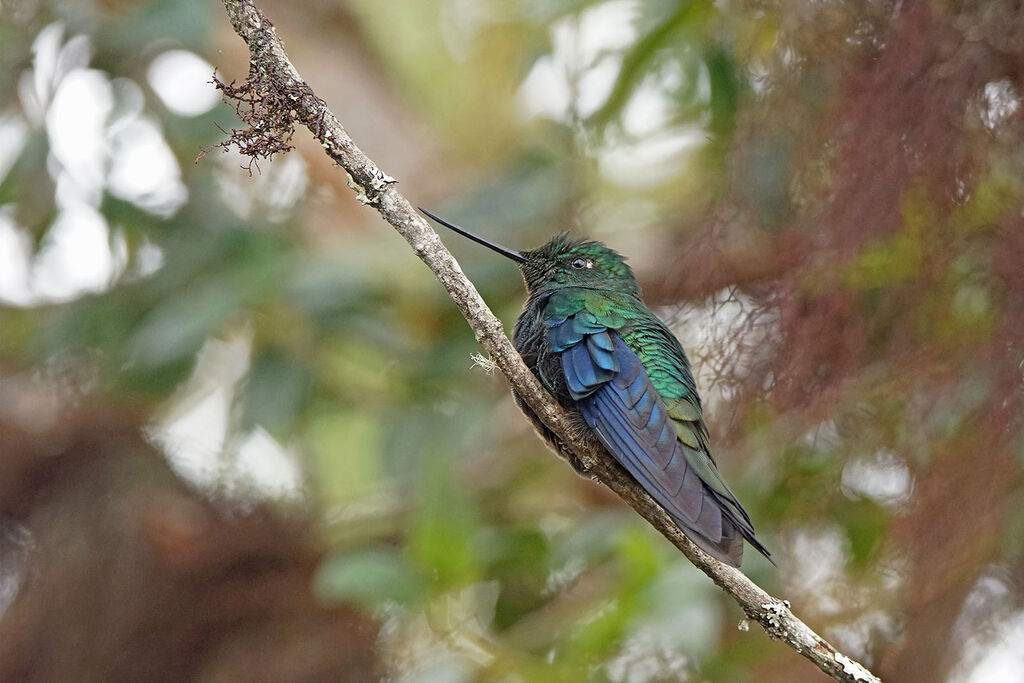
x: 241, y: 431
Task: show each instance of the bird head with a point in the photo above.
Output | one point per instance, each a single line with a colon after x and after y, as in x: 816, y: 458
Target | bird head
x: 562, y: 262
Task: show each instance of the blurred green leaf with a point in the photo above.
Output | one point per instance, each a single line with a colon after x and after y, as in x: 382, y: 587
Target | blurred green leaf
x: 444, y: 529
x: 276, y: 390
x: 28, y: 188
x: 183, y: 24
x: 865, y: 523
x: 178, y: 327
x: 346, y: 454
x: 688, y: 14
x: 367, y: 577
x: 725, y: 91
x: 642, y: 560
x: 521, y: 558
x: 993, y: 197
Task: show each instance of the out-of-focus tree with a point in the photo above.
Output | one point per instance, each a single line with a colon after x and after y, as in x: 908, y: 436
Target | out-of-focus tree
x: 824, y: 198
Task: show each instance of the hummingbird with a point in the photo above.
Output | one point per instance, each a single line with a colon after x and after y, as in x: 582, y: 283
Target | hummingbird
x: 625, y: 380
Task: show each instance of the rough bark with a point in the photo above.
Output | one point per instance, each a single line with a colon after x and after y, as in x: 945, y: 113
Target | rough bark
x: 279, y: 92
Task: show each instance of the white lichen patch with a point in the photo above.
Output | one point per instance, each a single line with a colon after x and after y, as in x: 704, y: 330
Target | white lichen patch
x: 486, y: 364
x: 774, y: 612
x: 358, y: 189
x: 378, y: 182
x: 381, y: 180
x: 854, y: 669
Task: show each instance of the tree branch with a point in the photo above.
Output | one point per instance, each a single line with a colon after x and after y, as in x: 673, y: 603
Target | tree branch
x: 279, y: 93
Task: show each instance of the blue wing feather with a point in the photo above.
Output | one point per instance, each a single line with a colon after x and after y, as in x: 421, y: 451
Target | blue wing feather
x: 617, y: 399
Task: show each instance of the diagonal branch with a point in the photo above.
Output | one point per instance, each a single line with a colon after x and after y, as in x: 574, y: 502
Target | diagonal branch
x: 281, y: 92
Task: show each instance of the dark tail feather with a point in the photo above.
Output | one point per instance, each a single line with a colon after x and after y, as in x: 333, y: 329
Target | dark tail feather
x: 729, y: 548
x: 760, y: 548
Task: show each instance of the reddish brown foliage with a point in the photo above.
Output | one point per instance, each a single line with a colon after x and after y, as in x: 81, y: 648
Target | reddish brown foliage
x: 867, y: 271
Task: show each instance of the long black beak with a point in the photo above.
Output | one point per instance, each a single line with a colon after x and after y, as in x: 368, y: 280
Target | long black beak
x: 504, y: 251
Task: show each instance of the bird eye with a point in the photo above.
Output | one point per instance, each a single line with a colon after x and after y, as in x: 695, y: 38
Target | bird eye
x: 579, y: 263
